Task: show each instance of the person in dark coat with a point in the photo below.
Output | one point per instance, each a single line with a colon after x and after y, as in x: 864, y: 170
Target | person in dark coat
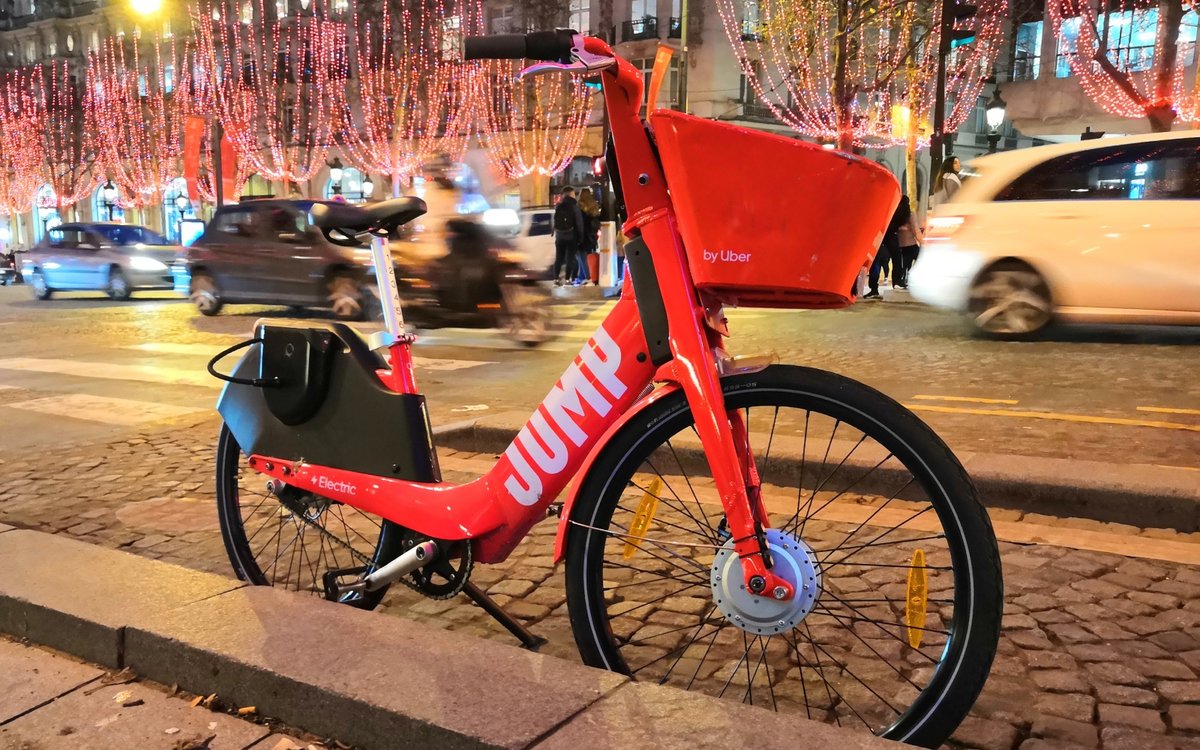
x: 568, y: 236
x: 889, y: 251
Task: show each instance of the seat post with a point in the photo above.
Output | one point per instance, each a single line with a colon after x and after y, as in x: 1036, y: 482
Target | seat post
x: 400, y: 378
x: 389, y: 292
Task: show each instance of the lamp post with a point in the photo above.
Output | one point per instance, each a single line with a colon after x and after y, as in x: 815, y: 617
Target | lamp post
x: 335, y: 174
x: 108, y: 195
x: 182, y: 204
x: 368, y: 188
x: 995, y: 118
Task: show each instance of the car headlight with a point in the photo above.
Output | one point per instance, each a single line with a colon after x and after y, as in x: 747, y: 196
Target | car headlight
x: 142, y: 263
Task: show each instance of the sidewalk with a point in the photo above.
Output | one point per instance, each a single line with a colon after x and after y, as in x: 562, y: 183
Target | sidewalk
x: 371, y: 681
x: 50, y: 701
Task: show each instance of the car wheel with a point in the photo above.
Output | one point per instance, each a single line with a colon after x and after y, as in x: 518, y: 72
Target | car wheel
x: 1010, y: 300
x: 118, y: 285
x: 526, y: 314
x: 345, y: 298
x: 38, y: 282
x: 205, y: 294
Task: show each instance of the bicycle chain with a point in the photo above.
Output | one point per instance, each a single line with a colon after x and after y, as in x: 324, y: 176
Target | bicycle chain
x: 368, y: 562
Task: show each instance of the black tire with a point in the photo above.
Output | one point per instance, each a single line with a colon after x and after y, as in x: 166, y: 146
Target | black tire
x: 374, y: 539
x: 346, y: 297
x: 40, y: 290
x: 118, y: 286
x: 1010, y: 300
x: 205, y: 294
x: 942, y: 689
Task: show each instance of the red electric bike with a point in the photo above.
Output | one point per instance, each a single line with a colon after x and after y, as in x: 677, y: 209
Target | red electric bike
x: 774, y: 534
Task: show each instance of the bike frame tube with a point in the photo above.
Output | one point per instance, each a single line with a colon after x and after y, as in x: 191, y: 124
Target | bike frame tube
x: 608, y: 376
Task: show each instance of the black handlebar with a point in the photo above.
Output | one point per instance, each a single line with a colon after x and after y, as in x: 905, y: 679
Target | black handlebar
x: 548, y: 46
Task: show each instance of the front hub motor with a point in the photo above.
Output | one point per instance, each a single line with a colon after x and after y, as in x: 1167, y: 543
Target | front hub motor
x: 793, y: 560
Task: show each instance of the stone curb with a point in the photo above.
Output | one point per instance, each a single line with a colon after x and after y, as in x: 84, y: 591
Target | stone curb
x: 372, y: 681
x: 1135, y: 494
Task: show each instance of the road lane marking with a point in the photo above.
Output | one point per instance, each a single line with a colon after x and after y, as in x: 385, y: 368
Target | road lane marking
x: 969, y: 399
x: 1181, y: 468
x: 103, y: 409
x: 8, y: 387
x: 1168, y: 410
x: 1055, y: 416
x: 201, y: 350
x: 109, y: 371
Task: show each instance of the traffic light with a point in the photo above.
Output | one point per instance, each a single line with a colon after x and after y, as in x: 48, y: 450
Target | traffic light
x: 956, y: 26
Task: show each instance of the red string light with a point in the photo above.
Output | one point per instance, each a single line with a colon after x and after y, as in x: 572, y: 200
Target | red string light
x: 20, y: 144
x: 888, y: 59
x: 1105, y: 56
x: 275, y: 84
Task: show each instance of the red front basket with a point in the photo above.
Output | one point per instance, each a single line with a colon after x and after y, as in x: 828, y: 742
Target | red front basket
x: 770, y: 221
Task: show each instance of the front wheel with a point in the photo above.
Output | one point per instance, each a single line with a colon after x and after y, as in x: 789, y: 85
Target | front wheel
x: 525, y: 313
x: 871, y: 517
x: 1010, y: 300
x: 41, y: 290
x: 118, y: 285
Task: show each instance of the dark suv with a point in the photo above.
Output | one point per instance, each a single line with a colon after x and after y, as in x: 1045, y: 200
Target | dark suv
x: 265, y: 252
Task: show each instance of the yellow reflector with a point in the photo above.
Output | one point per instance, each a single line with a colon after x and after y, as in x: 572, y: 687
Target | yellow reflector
x: 642, y: 518
x: 917, y: 601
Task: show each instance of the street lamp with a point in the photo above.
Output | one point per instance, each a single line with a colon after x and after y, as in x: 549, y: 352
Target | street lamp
x: 335, y: 174
x: 995, y: 118
x: 182, y: 204
x: 368, y: 188
x: 145, y: 7
x: 108, y: 194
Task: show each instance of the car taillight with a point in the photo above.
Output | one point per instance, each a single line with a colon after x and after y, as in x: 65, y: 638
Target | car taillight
x: 942, y: 227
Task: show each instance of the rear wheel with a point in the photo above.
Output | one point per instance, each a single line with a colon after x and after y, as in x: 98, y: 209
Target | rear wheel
x: 118, y: 285
x: 345, y: 298
x: 276, y: 535
x: 205, y: 294
x: 1010, y: 300
x: 899, y: 592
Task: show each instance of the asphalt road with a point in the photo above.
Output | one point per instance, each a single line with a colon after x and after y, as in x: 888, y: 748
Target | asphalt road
x: 83, y: 368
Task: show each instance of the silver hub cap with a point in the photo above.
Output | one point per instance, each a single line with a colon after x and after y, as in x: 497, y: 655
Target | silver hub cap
x: 794, y: 561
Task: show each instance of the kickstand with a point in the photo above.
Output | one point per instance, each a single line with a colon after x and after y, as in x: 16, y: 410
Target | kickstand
x: 528, y: 640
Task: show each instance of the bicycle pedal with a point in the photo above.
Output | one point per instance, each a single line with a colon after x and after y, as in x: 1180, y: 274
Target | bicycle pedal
x: 334, y: 589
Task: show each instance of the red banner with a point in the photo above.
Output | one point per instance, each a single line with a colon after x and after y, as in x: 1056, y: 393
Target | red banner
x: 193, y: 134
x: 229, y: 186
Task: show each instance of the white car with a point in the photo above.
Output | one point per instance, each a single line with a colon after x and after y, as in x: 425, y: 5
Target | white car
x: 1097, y: 231
x: 531, y: 231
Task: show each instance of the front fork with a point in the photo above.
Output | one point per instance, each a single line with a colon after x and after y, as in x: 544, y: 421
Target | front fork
x: 723, y: 435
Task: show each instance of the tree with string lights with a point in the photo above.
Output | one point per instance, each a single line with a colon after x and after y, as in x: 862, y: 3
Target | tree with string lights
x: 20, y: 145
x: 532, y: 126
x: 66, y: 145
x: 137, y: 117
x: 1128, y: 57
x: 277, y: 83
x: 861, y: 73
x: 409, y: 103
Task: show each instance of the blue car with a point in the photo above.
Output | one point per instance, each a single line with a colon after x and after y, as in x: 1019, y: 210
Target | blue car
x: 118, y: 259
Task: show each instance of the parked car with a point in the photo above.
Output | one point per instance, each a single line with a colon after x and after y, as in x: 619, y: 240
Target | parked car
x: 1098, y: 231
x: 119, y: 259
x: 265, y: 252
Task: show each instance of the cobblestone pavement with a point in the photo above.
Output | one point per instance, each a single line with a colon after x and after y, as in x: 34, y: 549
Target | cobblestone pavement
x: 1099, y: 649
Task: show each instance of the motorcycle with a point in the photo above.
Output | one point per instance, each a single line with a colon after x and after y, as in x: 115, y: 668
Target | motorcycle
x: 478, y: 283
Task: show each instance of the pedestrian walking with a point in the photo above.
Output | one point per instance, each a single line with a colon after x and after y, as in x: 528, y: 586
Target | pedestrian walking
x: 590, y: 210
x: 909, y: 239
x: 889, y: 252
x: 568, y: 236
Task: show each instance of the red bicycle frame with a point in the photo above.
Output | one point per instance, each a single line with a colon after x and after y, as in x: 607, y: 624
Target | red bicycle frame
x: 608, y: 381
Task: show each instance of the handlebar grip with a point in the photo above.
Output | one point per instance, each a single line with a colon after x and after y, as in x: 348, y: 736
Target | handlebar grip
x: 495, y: 47
x: 548, y: 46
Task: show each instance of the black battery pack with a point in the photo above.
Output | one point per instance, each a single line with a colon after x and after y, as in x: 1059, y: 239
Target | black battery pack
x: 294, y: 370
